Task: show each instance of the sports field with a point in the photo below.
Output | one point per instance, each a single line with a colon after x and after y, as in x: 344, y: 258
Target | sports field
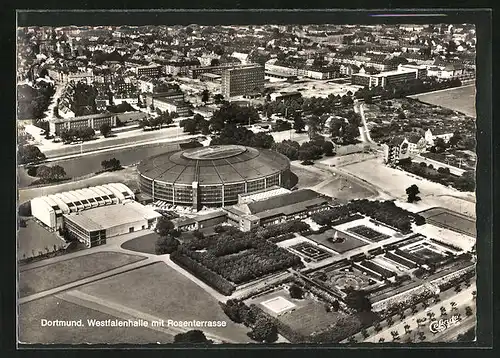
x: 447, y: 219
x: 46, y: 277
x: 461, y: 99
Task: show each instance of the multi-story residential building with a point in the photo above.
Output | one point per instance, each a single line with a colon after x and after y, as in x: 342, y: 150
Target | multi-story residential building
x: 170, y: 105
x: 403, y: 148
x: 123, y: 85
x: 63, y: 75
x: 181, y: 67
x: 150, y: 98
x: 242, y: 80
x: 196, y: 72
x: 94, y: 121
x: 151, y: 70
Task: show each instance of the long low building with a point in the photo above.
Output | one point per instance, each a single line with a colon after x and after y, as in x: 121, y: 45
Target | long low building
x: 94, y: 121
x: 277, y: 209
x: 93, y: 227
x: 50, y: 209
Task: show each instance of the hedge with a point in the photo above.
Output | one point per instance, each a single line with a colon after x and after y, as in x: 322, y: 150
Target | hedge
x: 216, y: 281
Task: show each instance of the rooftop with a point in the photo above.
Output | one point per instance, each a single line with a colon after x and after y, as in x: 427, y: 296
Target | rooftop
x: 80, y: 118
x: 106, y: 217
x: 280, y: 201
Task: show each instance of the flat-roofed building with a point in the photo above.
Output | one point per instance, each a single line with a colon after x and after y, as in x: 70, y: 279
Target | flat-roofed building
x: 50, y: 209
x: 151, y: 70
x: 200, y: 221
x: 93, y: 227
x: 277, y: 209
x: 385, y: 79
x: 94, y: 121
x: 243, y: 80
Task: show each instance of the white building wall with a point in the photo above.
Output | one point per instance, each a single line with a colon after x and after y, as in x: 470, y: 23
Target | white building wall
x: 43, y: 212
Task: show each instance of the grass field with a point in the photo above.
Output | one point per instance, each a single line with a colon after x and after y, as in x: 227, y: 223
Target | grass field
x: 348, y: 243
x: 449, y: 220
x: 306, y: 178
x: 128, y: 176
x: 160, y: 291
x: 88, y: 164
x: 144, y: 244
x: 34, y: 238
x: 60, y: 273
x: 461, y: 99
x: 52, y: 308
x: 310, y: 318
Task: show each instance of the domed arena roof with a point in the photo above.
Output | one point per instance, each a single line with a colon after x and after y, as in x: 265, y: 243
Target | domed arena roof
x: 213, y: 165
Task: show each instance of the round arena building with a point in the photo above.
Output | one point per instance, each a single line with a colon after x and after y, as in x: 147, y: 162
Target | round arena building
x: 212, y: 176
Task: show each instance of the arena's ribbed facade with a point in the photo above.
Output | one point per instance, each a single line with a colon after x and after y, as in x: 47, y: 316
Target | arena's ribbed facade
x: 212, y: 176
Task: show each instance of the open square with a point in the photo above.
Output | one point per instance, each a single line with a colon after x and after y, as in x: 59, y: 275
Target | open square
x: 278, y: 304
x: 338, y: 241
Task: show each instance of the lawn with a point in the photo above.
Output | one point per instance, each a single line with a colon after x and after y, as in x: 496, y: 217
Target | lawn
x: 462, y: 99
x: 46, y: 277
x: 306, y: 178
x: 161, y: 291
x: 450, y: 220
x: 34, y: 238
x: 144, y: 243
x: 345, y: 242
x: 52, y: 308
x: 310, y: 318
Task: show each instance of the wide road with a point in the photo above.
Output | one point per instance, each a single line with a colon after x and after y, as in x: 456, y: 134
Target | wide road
x: 132, y: 137
x: 87, y: 164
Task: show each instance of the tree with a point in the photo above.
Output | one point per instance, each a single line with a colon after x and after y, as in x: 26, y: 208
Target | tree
x: 166, y: 245
x: 468, y: 311
x: 328, y: 148
x: 440, y: 145
x: 455, y: 139
x: 453, y: 305
x: 395, y: 335
x: 57, y: 172
x: 105, y: 130
x: 30, y: 154
x: 407, y: 329
x: 443, y: 311
x: 111, y: 164
x: 264, y: 330
x: 431, y: 316
x: 412, y: 192
x: 205, y: 96
x: 214, y: 62
x: 193, y: 336
x: 164, y: 226
x: 296, y: 291
x: 358, y: 300
x: 298, y: 124
x: 474, y: 294
x: 218, y: 98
